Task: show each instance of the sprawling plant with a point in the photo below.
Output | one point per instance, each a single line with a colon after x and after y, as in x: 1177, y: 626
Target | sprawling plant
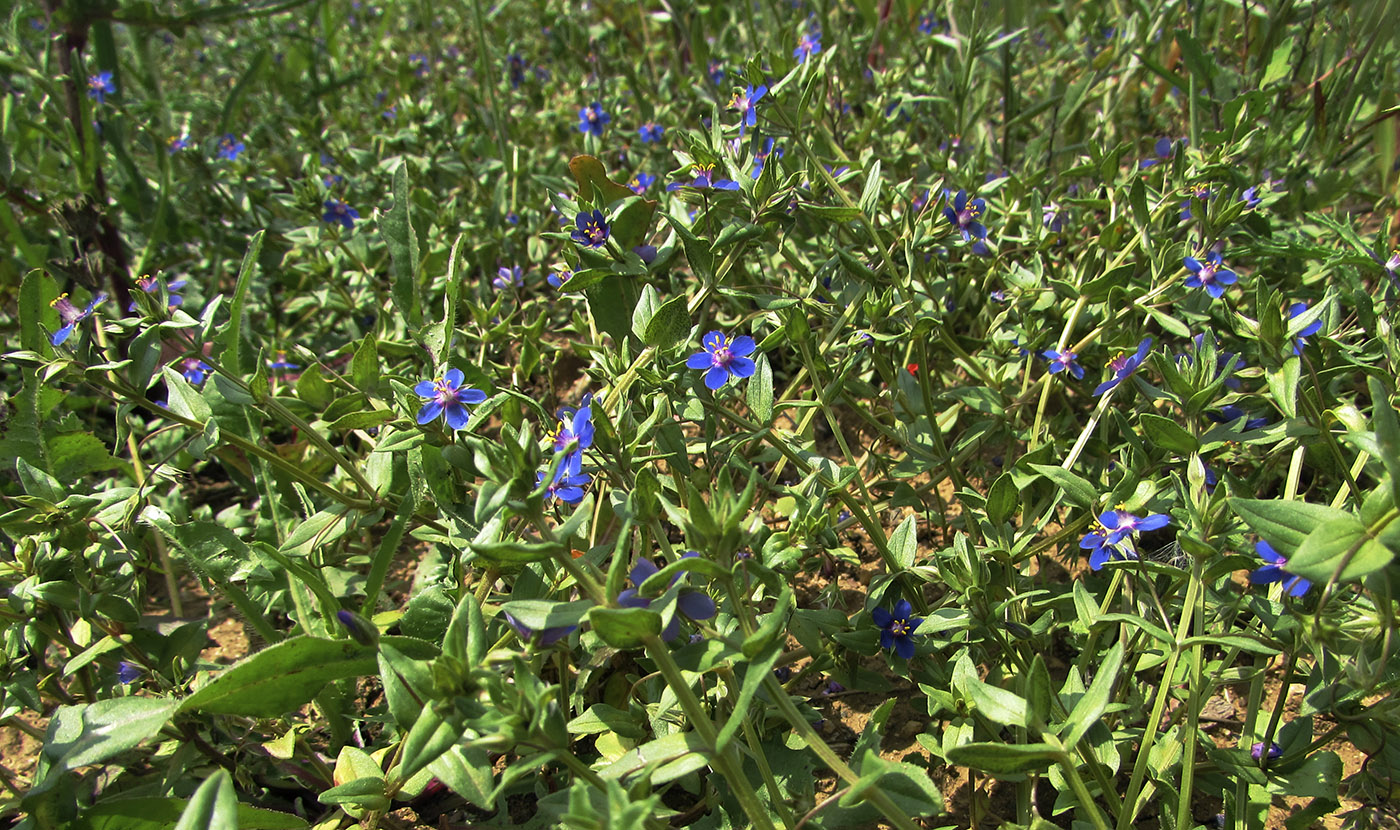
x: 573, y: 403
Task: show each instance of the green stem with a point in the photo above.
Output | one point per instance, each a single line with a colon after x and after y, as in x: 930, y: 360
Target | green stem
x: 1193, y: 706
x: 725, y: 763
x: 893, y: 814
x: 1149, y: 731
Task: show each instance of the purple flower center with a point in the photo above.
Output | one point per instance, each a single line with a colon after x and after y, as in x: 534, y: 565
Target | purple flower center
x: 966, y: 215
x: 899, y: 628
x: 721, y: 356
x: 1118, y: 363
x: 444, y: 392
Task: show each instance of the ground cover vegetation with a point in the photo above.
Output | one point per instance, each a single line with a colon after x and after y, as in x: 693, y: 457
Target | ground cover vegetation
x: 585, y: 407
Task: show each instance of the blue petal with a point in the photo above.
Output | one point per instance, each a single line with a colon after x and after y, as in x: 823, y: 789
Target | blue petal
x: 471, y: 396
x: 741, y: 367
x: 886, y: 639
x: 904, y: 647
x: 696, y: 605
x: 430, y: 411
x: 882, y: 618
x: 1192, y: 264
x: 456, y: 416
x: 1156, y: 521
x: 715, y: 378
x: 642, y: 571
x: 700, y: 360
x: 425, y: 389
x: 454, y: 377
x: 903, y: 609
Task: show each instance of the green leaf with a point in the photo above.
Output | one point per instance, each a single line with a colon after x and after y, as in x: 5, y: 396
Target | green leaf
x: 1075, y: 488
x: 1340, y: 543
x: 1167, y: 434
x: 668, y: 758
x: 77, y: 454
x: 364, y: 419
x: 184, y: 399
x: 368, y: 793
x: 430, y: 736
x: 697, y: 251
x: 904, y: 542
x: 280, y: 679
x: 774, y: 624
x: 467, y: 772
x: 1387, y: 433
x: 230, y: 336
x: 149, y: 813
x: 646, y: 307
x: 1003, y: 497
x: 364, y: 366
x: 402, y: 242
x: 214, y: 806
x: 624, y: 627
x: 408, y: 685
x: 92, y: 733
x: 1284, y: 524
x: 760, y: 391
x: 466, y: 634
x: 1095, y: 701
x: 600, y: 717
x: 1003, y: 759
x: 670, y: 324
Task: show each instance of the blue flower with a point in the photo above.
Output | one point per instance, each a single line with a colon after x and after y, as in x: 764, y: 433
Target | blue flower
x: 194, y: 370
x: 808, y: 45
x: 705, y: 179
x: 723, y: 359
x: 128, y: 672
x: 1101, y: 552
x: 447, y: 397
x: 897, y: 628
x: 508, y: 278
x: 962, y: 214
x: 574, y: 434
x: 640, y: 183
x: 1274, y: 571
x: 745, y: 103
x: 592, y: 119
x: 1121, y: 524
x: 150, y: 285
x: 928, y: 23
x: 547, y: 636
x: 1257, y: 751
x: 692, y: 603
x: 761, y: 157
x: 1209, y: 275
x: 1312, y: 328
x: 1230, y: 414
x: 1164, y: 148
x: 419, y: 64
x: 1250, y: 197
x: 1202, y: 193
x: 558, y: 278
x: 1123, y: 366
x: 515, y: 67
x: 591, y: 229
x: 280, y: 364
x: 1060, y: 361
x: 650, y: 132
x: 339, y: 213
x: 176, y: 143
x: 70, y: 315
x: 100, y: 86
x: 567, y: 486
x: 715, y: 70
x: 230, y: 147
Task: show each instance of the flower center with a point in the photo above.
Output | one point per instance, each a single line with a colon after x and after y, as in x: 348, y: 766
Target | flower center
x: 722, y: 356
x: 899, y: 628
